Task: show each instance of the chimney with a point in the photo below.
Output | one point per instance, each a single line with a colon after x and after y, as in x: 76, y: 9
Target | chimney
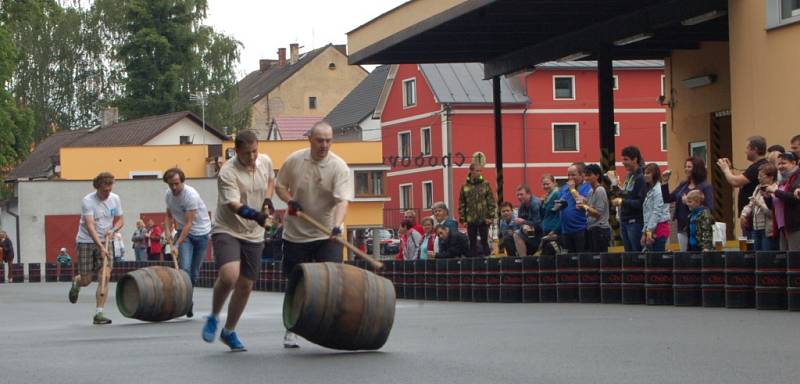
x: 265, y: 64
x: 110, y: 116
x: 281, y: 56
x: 294, y: 52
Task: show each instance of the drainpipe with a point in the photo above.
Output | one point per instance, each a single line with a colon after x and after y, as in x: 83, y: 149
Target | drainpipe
x: 19, y: 247
x: 525, y: 145
x: 449, y: 197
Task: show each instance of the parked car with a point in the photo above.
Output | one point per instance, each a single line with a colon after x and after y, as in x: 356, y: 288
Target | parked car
x: 389, y: 243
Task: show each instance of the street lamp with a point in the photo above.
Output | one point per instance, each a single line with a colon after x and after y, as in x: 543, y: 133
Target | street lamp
x: 202, y: 99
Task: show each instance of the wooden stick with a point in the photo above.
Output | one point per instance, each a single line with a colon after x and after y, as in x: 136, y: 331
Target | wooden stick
x: 374, y: 263
x: 174, y: 250
x: 103, y: 272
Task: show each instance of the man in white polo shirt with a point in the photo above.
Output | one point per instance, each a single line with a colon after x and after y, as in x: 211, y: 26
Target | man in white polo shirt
x: 187, y: 213
x: 244, y: 182
x: 101, y: 217
x: 316, y: 181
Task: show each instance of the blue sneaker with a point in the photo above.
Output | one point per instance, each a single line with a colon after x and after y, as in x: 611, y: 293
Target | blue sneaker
x: 210, y: 329
x: 232, y: 341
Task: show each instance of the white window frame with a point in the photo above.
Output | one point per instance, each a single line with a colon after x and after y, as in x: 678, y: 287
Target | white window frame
x: 574, y: 90
x: 422, y: 141
x: 426, y: 196
x: 405, y: 96
x: 400, y: 144
x: 617, y: 130
x: 662, y: 134
x: 774, y: 17
x: 577, y: 136
x: 410, y: 195
x: 663, y: 80
x: 616, y: 82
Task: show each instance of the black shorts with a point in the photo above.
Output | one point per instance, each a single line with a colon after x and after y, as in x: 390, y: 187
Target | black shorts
x: 228, y: 248
x: 314, y: 251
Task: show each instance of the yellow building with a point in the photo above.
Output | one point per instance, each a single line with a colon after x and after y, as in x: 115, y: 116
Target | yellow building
x: 731, y: 65
x: 310, y: 84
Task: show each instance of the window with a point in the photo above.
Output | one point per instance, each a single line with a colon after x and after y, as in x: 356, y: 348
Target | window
x: 409, y: 93
x: 565, y: 137
x: 404, y: 144
x: 616, y: 128
x: 369, y: 183
x: 425, y: 137
x: 663, y: 136
x: 405, y: 196
x: 782, y: 12
x: 427, y: 194
x: 616, y: 82
x: 564, y: 87
x: 185, y: 140
x: 312, y: 102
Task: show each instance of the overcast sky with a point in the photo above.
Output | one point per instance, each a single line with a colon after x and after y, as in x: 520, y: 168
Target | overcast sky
x: 264, y: 26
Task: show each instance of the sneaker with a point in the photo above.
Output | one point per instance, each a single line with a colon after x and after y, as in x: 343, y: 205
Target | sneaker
x: 210, y: 329
x: 73, y: 292
x: 100, y: 319
x: 290, y: 340
x: 232, y: 341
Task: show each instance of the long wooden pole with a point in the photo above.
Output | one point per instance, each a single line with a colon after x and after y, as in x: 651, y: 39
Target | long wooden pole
x: 374, y: 263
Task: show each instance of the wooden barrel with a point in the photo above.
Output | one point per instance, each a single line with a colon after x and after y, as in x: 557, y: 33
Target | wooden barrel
x: 154, y: 294
x: 339, y: 306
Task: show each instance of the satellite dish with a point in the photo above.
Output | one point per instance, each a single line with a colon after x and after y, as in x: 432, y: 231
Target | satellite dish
x: 275, y: 106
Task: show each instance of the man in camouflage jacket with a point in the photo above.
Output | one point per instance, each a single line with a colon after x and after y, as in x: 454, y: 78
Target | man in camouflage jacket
x: 476, y: 207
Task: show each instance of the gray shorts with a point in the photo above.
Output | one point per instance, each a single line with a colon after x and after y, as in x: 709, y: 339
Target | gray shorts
x: 228, y: 248
x: 90, y: 259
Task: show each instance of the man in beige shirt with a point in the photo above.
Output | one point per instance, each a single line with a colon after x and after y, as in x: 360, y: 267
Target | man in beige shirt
x: 244, y: 182
x: 316, y: 181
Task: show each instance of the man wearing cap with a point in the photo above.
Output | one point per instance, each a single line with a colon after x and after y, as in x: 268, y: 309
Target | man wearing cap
x: 316, y: 181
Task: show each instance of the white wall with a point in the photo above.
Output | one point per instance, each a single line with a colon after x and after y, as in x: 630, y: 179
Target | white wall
x: 40, y: 198
x: 371, y: 129
x: 184, y: 127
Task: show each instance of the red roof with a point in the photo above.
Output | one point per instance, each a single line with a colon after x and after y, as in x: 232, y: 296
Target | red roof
x: 295, y: 127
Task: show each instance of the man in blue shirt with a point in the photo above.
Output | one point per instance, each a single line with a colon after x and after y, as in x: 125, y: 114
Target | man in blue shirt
x: 573, y: 215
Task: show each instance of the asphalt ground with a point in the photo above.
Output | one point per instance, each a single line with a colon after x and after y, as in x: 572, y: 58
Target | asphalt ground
x: 45, y: 339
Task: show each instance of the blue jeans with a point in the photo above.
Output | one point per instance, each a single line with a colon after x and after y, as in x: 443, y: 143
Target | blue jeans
x: 141, y: 254
x: 762, y: 242
x: 631, y: 236
x: 659, y: 245
x: 192, y: 252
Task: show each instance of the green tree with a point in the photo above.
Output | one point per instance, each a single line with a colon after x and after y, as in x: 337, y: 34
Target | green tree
x: 169, y: 54
x: 16, y: 122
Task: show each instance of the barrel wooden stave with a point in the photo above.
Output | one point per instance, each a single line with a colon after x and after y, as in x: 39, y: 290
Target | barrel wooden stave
x: 154, y: 294
x: 339, y: 306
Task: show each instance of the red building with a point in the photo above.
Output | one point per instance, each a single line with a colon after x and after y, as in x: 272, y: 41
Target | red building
x: 442, y: 113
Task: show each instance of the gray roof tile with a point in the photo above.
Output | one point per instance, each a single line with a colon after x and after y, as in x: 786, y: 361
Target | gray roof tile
x: 463, y: 83
x: 360, y: 102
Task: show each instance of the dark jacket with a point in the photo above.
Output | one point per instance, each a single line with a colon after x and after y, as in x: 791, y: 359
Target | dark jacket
x: 681, y: 210
x: 530, y: 213
x: 455, y: 245
x: 633, y: 198
x: 791, y: 205
x: 8, y: 250
x: 476, y: 201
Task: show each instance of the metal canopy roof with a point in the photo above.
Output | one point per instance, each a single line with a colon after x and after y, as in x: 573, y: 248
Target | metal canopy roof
x: 513, y: 35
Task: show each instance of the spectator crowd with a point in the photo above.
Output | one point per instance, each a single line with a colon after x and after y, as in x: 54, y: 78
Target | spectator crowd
x: 578, y: 216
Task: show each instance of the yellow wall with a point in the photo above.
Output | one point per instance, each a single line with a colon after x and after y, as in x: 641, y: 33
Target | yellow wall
x: 353, y: 153
x: 396, y: 20
x: 86, y: 163
x: 689, y: 118
x: 365, y: 214
x: 766, y: 80
x: 314, y: 79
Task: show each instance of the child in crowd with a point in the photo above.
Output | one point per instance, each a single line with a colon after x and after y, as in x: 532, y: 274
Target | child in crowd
x: 701, y: 224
